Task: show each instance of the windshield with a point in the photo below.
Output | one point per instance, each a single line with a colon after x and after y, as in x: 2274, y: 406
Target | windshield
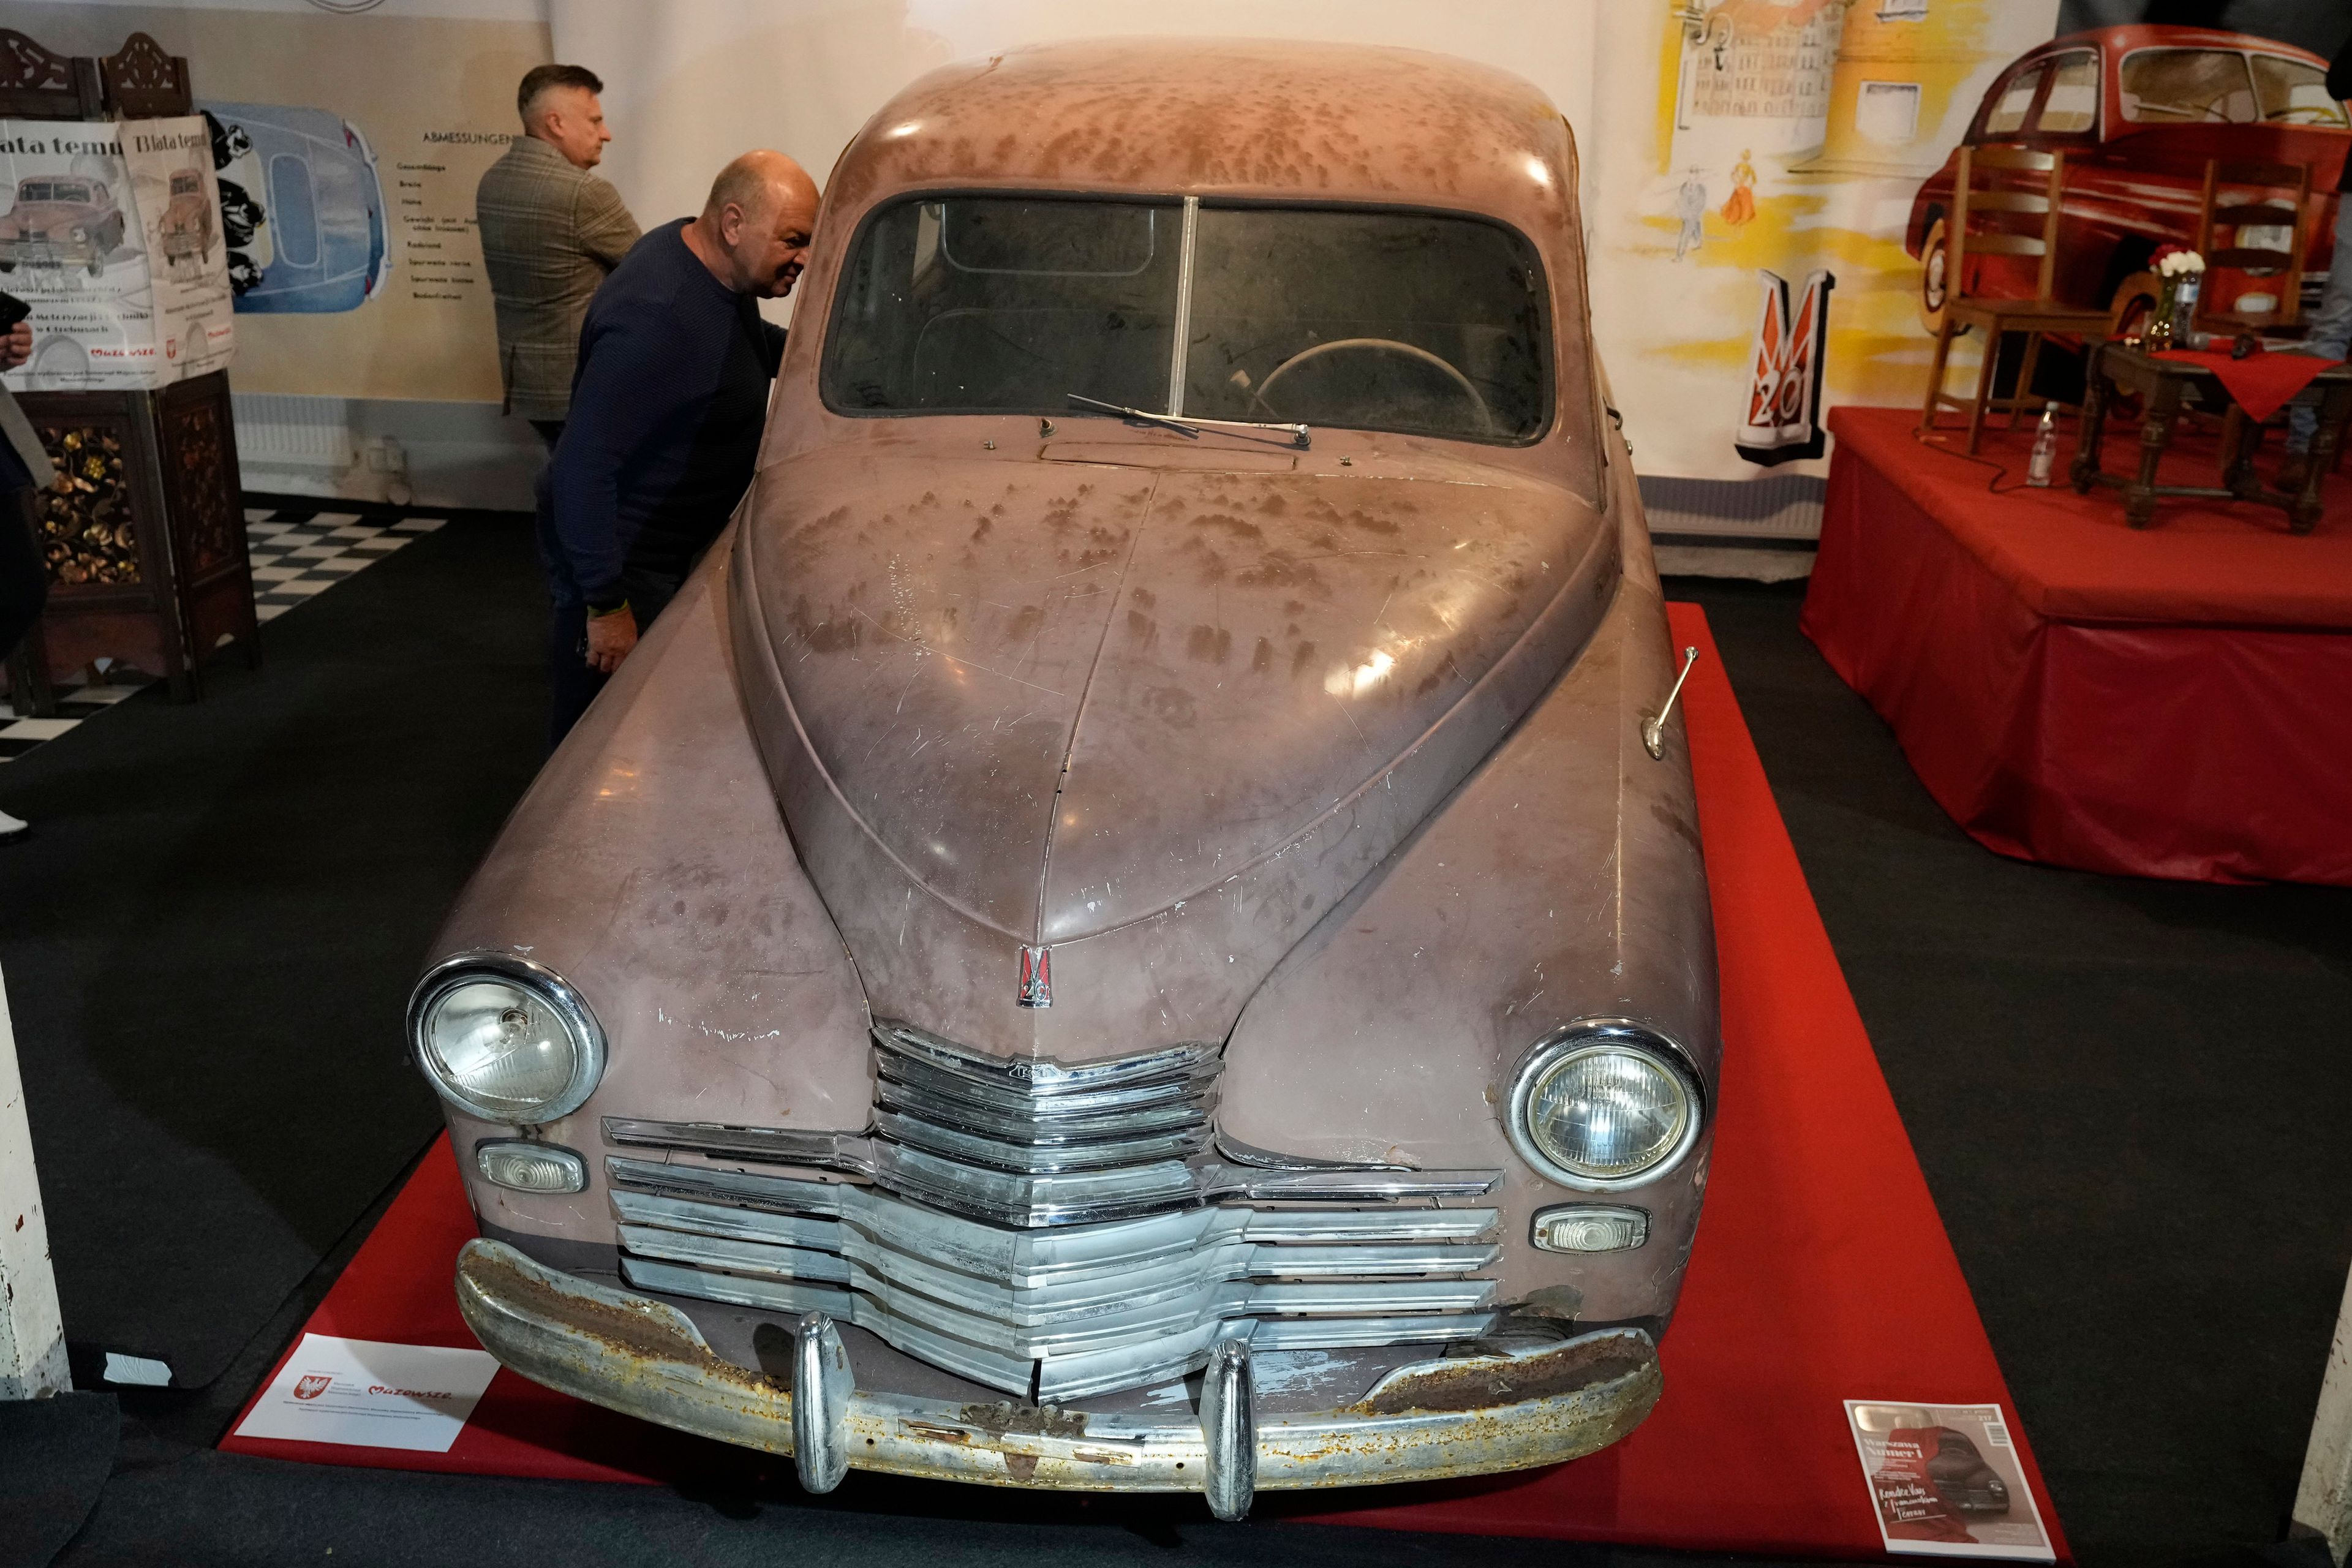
x: 1381, y: 320
x: 52, y: 191
x: 2177, y: 87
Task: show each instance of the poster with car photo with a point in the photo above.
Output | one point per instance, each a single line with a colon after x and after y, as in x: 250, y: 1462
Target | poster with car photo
x: 1945, y: 1482
x: 178, y: 203
x: 100, y: 234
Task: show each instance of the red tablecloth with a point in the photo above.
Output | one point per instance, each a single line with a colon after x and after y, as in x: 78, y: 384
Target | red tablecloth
x: 1820, y: 1273
x: 2261, y: 382
x: 2174, y: 701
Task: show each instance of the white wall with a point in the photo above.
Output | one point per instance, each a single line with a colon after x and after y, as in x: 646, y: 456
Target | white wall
x: 802, y: 76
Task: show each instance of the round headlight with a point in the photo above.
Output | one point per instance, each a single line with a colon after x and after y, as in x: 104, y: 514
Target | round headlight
x: 506, y: 1039
x: 1603, y: 1105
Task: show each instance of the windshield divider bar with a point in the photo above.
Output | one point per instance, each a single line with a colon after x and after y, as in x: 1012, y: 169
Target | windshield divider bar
x: 1176, y: 358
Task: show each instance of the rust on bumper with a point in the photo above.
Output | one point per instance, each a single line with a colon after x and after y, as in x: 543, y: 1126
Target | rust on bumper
x: 1423, y: 1422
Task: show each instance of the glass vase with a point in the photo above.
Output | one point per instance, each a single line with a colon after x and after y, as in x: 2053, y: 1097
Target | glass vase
x: 2158, y: 335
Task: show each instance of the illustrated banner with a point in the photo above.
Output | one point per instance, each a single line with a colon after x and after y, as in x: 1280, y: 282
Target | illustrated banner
x: 113, y: 233
x: 1756, y: 165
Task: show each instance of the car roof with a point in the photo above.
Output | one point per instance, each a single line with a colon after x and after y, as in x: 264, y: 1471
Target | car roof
x: 2147, y: 35
x: 1251, y: 118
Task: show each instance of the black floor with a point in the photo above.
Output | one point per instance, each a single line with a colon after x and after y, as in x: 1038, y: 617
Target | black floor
x: 2126, y: 1096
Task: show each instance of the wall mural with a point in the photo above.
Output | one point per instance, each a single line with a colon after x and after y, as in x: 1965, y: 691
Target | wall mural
x: 1771, y: 204
x: 304, y: 206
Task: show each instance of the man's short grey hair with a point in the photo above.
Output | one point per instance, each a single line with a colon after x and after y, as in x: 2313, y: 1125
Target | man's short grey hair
x: 541, y: 81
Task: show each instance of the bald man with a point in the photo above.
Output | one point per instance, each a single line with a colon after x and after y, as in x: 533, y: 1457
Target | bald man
x: 667, y: 408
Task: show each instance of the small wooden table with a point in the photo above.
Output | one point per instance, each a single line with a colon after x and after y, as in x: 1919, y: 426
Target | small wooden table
x: 2167, y: 386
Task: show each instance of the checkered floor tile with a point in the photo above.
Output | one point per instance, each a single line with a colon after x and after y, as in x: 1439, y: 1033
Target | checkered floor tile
x: 74, y: 703
x: 299, y: 555
x: 296, y: 555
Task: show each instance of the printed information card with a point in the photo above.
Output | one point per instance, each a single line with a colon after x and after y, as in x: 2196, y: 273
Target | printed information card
x: 1946, y: 1481
x: 372, y: 1395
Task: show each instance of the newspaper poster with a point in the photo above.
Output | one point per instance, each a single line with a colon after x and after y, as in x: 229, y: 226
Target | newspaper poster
x: 111, y: 231
x: 1946, y: 1481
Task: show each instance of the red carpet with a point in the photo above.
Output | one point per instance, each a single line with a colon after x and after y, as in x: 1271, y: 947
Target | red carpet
x: 2175, y: 702
x: 1822, y: 1273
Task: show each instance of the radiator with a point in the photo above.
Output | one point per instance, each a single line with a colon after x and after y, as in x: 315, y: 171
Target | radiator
x: 310, y: 433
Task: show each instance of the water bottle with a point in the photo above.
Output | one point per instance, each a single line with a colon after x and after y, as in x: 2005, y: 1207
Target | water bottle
x: 2038, y: 467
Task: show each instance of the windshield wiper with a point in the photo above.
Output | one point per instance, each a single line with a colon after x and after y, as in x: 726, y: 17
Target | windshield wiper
x: 1191, y: 428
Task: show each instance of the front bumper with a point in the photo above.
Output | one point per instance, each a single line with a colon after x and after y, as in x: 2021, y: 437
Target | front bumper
x: 48, y: 252
x: 1427, y: 1421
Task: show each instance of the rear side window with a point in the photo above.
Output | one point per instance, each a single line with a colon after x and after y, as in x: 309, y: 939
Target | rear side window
x: 2007, y: 117
x: 2073, y: 106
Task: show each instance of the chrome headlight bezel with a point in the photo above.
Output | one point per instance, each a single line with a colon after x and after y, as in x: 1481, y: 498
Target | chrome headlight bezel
x: 1602, y: 1034
x: 569, y: 1007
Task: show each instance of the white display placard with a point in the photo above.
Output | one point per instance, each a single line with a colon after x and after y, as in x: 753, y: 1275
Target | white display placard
x: 371, y: 1395
x: 111, y: 231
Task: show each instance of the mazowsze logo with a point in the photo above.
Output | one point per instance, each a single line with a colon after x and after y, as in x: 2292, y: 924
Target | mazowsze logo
x: 313, y: 1384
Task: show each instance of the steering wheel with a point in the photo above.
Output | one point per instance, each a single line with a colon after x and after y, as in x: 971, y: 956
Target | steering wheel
x: 1374, y: 345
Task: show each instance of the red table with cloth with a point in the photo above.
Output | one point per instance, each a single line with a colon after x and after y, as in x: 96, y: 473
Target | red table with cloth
x: 2175, y: 702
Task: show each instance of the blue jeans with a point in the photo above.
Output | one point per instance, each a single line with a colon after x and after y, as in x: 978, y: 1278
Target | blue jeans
x: 2331, y: 328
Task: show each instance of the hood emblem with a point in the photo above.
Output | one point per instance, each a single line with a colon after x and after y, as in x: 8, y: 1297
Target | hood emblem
x: 1037, y: 978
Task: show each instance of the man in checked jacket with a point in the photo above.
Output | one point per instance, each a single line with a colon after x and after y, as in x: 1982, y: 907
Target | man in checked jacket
x: 550, y: 231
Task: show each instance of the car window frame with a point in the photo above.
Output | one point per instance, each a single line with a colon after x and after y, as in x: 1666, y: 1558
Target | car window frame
x: 1547, y: 332
x: 1981, y: 133
x: 2055, y: 61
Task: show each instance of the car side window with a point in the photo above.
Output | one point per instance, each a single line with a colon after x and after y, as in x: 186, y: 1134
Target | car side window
x: 2294, y: 92
x: 2007, y: 116
x: 2188, y: 87
x: 2073, y: 106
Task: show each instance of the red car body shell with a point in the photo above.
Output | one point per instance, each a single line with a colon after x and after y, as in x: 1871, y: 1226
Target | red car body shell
x: 2132, y: 185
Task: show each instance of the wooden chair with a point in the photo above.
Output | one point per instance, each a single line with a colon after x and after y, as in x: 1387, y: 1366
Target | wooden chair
x: 1974, y: 197
x: 2232, y: 187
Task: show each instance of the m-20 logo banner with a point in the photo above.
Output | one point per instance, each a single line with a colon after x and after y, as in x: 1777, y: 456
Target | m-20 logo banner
x: 1782, y: 417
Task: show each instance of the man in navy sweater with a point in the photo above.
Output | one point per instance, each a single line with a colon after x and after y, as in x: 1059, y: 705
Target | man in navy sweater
x: 667, y: 409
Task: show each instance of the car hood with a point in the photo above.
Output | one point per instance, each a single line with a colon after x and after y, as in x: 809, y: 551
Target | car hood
x: 1068, y: 697
x: 39, y: 217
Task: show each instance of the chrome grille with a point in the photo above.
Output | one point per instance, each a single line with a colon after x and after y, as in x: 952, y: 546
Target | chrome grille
x: 1031, y: 1117
x: 1063, y: 1312
x: 1053, y: 1230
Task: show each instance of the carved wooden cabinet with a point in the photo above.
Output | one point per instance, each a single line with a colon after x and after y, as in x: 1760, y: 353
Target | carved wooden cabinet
x: 144, y: 533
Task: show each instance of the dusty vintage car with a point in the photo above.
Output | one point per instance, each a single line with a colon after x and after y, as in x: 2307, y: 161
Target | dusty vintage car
x: 59, y: 220
x: 186, y: 231
x: 2138, y: 110
x: 1139, y: 925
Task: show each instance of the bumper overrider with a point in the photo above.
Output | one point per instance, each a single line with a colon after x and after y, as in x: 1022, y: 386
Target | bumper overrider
x: 1427, y: 1420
